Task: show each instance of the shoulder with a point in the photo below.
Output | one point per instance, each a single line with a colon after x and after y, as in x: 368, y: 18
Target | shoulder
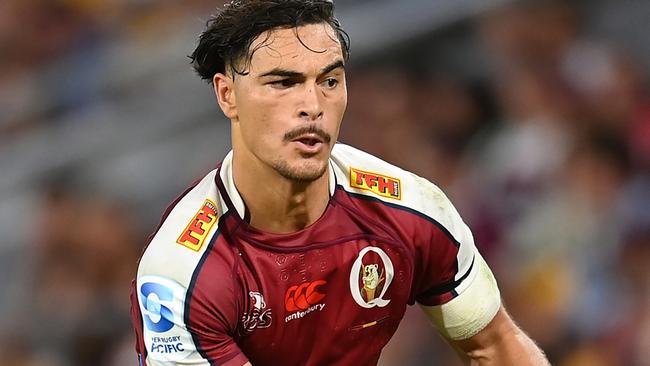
x: 184, y: 234
x: 365, y: 176
x: 168, y: 279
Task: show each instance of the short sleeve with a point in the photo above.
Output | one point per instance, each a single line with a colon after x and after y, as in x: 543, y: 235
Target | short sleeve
x: 177, y: 326
x: 445, y: 251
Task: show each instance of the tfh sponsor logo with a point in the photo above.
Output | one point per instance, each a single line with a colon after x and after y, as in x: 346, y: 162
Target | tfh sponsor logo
x: 199, y: 227
x: 379, y: 184
x: 370, y: 277
x: 257, y: 317
x: 303, y: 299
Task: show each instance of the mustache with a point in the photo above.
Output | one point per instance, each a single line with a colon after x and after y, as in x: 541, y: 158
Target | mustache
x: 315, y: 129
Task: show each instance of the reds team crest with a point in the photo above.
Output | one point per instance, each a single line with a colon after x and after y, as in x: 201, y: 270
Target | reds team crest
x: 257, y: 317
x: 370, y: 277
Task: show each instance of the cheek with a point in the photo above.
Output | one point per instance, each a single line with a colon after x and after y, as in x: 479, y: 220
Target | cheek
x: 343, y: 105
x: 338, y: 110
x: 262, y: 126
x: 340, y: 101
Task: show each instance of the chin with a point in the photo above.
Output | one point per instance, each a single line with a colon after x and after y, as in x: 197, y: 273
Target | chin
x: 301, y: 171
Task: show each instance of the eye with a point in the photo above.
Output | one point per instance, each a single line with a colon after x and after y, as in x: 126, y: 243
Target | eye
x: 282, y: 83
x: 330, y: 83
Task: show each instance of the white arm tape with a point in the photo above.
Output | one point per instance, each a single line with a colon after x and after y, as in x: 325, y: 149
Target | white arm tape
x: 472, y: 310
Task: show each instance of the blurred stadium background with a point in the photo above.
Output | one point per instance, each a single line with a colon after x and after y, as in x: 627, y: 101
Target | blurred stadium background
x: 533, y: 116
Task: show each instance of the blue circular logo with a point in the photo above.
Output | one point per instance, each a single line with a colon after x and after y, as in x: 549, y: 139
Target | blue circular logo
x: 157, y: 317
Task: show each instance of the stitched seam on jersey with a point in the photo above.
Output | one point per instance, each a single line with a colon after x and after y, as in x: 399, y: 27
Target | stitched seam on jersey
x: 221, y: 188
x: 440, y: 226
x: 229, y: 358
x: 248, y: 262
x: 449, y: 286
x: 232, y: 247
x: 357, y: 212
x: 241, y: 225
x: 236, y: 284
x: 377, y: 224
x: 322, y: 244
x: 190, y: 289
x: 139, y: 340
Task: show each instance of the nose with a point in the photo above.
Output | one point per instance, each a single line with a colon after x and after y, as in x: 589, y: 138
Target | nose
x: 311, y: 106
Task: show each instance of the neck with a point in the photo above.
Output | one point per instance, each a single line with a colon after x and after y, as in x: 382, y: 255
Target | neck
x: 279, y: 205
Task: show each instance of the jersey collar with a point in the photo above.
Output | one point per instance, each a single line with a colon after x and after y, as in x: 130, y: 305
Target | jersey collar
x: 231, y: 197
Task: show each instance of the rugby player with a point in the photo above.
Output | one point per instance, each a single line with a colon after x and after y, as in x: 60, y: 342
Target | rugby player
x: 298, y: 250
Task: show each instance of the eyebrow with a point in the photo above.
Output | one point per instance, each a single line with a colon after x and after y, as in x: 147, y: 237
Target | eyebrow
x: 294, y: 74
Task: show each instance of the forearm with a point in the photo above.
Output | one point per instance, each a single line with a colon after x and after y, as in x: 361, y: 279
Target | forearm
x: 507, y: 347
x: 479, y: 328
x: 518, y: 351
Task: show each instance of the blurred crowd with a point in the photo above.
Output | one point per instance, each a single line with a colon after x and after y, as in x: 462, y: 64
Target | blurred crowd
x: 548, y: 160
x: 546, y: 156
x: 54, y: 52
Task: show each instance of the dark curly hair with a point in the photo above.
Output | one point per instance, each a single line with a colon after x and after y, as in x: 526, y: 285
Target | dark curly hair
x: 227, y: 40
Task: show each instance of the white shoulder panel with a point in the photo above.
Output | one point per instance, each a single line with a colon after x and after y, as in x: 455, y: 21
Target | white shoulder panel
x: 361, y: 173
x: 165, y: 273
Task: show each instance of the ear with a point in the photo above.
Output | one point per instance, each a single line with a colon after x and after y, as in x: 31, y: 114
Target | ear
x: 224, y: 89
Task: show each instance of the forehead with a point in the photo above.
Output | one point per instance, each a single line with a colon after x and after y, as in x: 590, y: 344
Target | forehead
x: 296, y: 49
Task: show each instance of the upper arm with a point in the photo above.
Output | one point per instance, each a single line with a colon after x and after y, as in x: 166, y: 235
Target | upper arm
x: 445, y: 254
x: 171, y: 331
x: 471, y: 310
x: 478, y: 327
x: 459, y: 294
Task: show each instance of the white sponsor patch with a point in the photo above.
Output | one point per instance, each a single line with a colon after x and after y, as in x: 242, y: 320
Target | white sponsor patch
x: 162, y: 303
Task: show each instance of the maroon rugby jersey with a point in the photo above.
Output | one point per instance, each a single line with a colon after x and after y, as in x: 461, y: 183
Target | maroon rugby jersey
x: 212, y: 290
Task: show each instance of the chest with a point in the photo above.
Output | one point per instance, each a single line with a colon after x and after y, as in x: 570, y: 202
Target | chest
x: 339, y: 300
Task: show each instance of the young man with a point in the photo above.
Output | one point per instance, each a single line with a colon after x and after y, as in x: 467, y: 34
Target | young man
x: 298, y: 250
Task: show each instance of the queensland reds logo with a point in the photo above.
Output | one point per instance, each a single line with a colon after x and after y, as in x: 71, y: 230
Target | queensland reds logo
x: 258, y: 317
x: 370, y: 277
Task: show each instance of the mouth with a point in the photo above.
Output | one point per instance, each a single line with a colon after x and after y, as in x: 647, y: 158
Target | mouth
x: 310, y: 139
x: 309, y: 144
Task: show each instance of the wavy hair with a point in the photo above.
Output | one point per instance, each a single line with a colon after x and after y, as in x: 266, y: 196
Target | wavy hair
x: 226, y: 43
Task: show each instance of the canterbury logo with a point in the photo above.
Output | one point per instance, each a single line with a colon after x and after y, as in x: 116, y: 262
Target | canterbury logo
x: 303, y: 296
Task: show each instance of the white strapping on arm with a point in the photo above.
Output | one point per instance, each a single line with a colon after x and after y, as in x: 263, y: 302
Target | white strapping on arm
x: 472, y: 310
